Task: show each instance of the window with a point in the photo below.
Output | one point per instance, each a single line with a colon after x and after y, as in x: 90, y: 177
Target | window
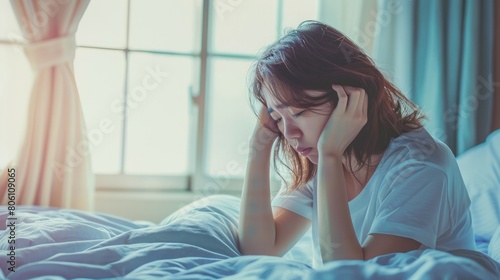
x: 163, y: 85
x: 15, y: 85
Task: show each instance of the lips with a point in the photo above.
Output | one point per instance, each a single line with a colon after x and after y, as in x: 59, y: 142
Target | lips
x: 303, y: 150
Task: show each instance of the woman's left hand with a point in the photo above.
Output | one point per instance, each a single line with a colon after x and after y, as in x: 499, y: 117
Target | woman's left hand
x: 346, y: 121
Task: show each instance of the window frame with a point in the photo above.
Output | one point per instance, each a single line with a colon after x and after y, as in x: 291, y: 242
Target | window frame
x: 195, y: 180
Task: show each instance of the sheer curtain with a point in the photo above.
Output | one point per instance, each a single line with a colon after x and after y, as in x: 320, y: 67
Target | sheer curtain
x: 440, y: 53
x: 358, y: 19
x: 52, y: 166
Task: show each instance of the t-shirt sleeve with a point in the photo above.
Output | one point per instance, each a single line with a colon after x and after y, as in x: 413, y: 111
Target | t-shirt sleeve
x: 299, y: 201
x: 414, y: 203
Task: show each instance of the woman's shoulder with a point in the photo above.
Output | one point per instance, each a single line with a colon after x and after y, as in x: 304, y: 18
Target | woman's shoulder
x: 305, y: 189
x: 418, y: 147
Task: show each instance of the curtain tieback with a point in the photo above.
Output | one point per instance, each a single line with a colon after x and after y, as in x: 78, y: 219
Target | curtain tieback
x: 51, y: 52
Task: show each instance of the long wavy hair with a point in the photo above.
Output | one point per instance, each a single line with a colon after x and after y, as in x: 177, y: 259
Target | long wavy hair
x: 313, y: 57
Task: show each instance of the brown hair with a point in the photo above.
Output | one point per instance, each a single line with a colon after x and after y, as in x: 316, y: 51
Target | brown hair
x: 313, y: 57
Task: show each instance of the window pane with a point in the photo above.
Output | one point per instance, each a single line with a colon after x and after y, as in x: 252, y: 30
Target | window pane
x: 100, y: 78
x: 9, y: 29
x: 104, y: 24
x: 296, y: 11
x: 16, y: 79
x: 242, y: 27
x: 159, y: 120
x: 171, y: 25
x: 230, y: 118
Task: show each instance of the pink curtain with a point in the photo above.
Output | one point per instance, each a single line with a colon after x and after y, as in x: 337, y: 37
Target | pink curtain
x: 52, y: 167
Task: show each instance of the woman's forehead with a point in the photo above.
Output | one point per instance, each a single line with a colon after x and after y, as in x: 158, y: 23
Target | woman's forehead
x: 269, y: 97
x: 274, y: 102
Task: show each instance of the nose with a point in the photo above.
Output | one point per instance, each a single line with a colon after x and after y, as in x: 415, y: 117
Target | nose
x: 291, y: 130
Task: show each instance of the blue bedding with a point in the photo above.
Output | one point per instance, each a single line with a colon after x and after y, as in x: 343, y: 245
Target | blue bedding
x: 196, y: 242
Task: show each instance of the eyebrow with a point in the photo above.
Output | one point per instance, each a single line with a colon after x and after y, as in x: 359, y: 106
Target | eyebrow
x: 280, y: 106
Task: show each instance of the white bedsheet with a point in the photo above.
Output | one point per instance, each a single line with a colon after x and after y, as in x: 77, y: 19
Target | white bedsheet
x: 196, y: 242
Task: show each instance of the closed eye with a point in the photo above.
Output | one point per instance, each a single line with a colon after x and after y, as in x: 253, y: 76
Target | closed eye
x: 293, y: 116
x: 298, y: 114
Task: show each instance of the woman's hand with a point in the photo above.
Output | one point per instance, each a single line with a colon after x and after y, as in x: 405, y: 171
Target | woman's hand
x: 263, y: 135
x: 346, y: 121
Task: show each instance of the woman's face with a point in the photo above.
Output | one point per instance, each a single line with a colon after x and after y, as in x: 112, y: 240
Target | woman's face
x: 301, y: 127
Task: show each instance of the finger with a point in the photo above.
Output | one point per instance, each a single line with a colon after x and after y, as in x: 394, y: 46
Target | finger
x: 354, y: 97
x: 362, y: 102
x: 362, y: 96
x: 342, y: 104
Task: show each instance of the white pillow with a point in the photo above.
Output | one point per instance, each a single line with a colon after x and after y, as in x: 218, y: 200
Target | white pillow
x: 480, y: 168
x: 494, y: 247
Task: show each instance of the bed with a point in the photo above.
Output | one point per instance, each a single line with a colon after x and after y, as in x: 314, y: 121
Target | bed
x: 199, y: 242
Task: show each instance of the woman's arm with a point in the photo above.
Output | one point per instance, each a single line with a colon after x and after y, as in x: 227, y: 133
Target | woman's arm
x: 338, y: 239
x: 256, y: 225
x: 337, y: 236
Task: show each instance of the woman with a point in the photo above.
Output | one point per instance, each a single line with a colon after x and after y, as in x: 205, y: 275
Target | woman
x: 364, y: 172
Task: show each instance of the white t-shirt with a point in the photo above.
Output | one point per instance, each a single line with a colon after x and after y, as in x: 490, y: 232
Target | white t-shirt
x: 416, y: 191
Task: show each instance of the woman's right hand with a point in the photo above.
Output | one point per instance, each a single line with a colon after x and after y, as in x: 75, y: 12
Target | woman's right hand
x: 265, y: 131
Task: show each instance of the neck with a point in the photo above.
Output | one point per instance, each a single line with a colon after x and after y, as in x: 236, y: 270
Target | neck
x: 361, y: 173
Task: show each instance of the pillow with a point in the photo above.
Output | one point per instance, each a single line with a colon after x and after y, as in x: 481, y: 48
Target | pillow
x: 210, y: 223
x: 494, y: 248
x: 218, y: 214
x: 480, y: 168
